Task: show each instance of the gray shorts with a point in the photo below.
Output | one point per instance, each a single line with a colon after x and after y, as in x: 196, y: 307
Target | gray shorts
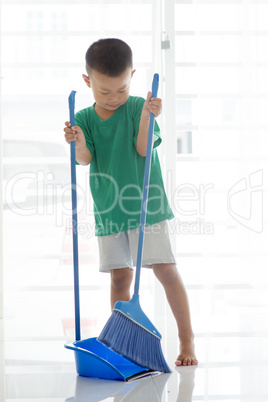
x: 120, y: 250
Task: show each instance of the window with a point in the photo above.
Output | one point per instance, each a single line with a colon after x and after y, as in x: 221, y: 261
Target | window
x: 43, y: 49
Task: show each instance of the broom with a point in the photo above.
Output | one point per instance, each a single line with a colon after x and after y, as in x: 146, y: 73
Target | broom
x: 129, y: 331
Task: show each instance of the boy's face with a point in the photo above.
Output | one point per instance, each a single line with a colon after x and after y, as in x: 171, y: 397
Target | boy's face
x: 109, y: 92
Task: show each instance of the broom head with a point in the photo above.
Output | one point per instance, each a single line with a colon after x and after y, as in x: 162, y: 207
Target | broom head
x: 130, y: 333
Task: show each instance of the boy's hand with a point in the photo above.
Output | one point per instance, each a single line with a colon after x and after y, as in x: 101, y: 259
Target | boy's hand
x: 153, y: 105
x: 74, y: 134
x: 83, y: 154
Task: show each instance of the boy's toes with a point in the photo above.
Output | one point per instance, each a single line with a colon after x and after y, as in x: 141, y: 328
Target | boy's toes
x: 178, y: 362
x: 186, y: 361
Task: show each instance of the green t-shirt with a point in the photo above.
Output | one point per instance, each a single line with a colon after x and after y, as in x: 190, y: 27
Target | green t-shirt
x: 117, y: 170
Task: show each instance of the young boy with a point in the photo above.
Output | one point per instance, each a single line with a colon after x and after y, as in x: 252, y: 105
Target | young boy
x: 111, y: 136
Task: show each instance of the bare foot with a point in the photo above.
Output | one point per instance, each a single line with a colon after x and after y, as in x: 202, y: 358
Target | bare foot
x: 187, y: 355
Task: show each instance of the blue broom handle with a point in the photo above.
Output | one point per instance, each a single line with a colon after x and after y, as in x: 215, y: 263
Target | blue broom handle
x: 145, y: 188
x: 75, y: 226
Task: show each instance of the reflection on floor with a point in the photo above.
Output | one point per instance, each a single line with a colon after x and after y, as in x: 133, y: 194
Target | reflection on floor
x: 233, y: 368
x: 229, y: 320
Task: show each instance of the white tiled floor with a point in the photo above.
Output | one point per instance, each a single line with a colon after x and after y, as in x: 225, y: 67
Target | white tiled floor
x: 232, y: 348
x: 229, y: 303
x: 39, y: 381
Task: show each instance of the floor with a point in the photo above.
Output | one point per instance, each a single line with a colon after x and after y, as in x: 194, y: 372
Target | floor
x: 229, y: 305
x: 233, y: 360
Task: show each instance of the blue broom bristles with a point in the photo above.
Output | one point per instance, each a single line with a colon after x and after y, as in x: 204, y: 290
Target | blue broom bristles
x: 134, y: 342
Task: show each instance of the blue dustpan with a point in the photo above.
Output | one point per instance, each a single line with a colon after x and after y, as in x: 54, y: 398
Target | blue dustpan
x: 92, y: 358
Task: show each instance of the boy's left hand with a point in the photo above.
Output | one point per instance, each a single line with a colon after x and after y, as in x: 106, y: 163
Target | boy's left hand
x: 153, y: 105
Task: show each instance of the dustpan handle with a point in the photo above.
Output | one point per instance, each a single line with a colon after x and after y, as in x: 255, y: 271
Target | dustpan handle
x: 75, y: 226
x: 145, y: 187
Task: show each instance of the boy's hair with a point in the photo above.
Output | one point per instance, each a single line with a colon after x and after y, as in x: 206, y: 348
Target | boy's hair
x: 109, y: 56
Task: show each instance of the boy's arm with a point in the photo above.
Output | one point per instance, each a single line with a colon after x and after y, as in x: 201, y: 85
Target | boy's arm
x: 153, y: 105
x: 83, y: 154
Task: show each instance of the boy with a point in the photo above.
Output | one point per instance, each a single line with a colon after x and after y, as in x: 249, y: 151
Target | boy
x: 111, y: 136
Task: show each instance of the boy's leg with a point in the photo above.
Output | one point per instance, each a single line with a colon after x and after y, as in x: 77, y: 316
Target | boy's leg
x: 178, y: 301
x: 120, y: 284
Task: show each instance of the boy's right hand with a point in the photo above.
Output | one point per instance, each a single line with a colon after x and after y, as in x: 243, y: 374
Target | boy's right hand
x: 74, y: 134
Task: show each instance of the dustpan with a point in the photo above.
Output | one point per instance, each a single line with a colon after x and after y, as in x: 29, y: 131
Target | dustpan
x: 92, y: 358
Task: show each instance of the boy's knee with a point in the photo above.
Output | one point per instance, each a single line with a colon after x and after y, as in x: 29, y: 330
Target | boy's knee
x: 121, y: 277
x: 166, y: 272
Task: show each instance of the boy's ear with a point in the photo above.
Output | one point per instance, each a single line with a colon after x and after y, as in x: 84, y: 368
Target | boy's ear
x: 132, y: 73
x: 87, y: 80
